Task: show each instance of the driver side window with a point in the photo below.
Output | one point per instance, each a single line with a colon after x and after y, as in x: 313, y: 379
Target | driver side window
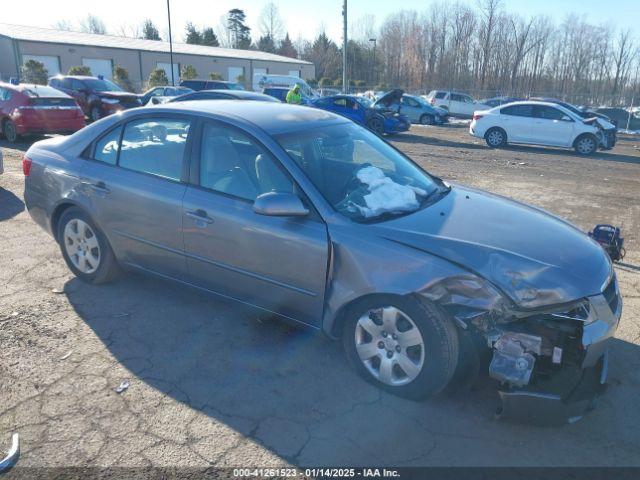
x: 234, y: 164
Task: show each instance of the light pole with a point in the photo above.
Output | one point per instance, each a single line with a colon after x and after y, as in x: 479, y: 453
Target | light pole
x: 173, y: 82
x: 344, y: 47
x: 375, y: 67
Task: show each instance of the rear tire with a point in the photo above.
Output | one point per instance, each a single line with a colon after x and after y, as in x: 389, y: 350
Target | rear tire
x: 10, y: 132
x: 495, y: 137
x: 85, y: 248
x: 376, y: 126
x: 427, y: 119
x: 413, y: 356
x: 585, y: 144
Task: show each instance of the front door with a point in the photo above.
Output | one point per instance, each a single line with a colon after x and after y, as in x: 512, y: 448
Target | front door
x: 551, y: 126
x: 135, y: 191
x: 276, y: 263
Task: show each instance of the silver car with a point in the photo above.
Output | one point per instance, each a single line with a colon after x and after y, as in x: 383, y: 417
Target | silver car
x: 304, y: 214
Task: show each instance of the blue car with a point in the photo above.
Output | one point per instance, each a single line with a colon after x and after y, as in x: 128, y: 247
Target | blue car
x: 379, y: 116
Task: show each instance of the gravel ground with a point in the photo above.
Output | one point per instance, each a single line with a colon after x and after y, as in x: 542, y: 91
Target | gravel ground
x: 212, y: 383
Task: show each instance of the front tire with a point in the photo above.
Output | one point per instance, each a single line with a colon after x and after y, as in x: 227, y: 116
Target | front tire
x: 495, y: 137
x: 95, y: 114
x: 427, y: 119
x: 10, y: 132
x: 585, y: 145
x: 376, y: 126
x: 401, y: 345
x: 85, y: 248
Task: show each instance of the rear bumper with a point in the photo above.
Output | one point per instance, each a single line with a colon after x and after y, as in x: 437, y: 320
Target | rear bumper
x: 58, y: 126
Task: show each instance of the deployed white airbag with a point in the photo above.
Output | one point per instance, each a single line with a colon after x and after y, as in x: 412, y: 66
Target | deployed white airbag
x: 385, y: 195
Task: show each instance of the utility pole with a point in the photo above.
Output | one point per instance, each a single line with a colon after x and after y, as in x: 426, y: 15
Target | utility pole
x: 344, y: 47
x: 375, y: 67
x: 173, y: 81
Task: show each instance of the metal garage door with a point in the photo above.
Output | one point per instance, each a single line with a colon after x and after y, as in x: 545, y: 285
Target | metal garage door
x: 99, y: 66
x: 52, y: 64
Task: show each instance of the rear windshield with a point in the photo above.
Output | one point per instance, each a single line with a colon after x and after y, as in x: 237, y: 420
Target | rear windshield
x: 102, y: 85
x: 52, y: 102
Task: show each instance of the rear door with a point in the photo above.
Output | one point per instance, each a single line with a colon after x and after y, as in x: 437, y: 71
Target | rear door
x: 517, y: 121
x: 277, y: 263
x: 135, y: 183
x: 551, y: 126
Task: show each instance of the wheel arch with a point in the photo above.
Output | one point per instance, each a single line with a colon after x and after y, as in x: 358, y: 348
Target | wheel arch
x: 585, y: 134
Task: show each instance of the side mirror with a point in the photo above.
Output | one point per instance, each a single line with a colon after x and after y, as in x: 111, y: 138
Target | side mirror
x: 278, y: 204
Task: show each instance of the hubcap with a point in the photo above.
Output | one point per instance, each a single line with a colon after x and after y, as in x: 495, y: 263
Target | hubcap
x: 585, y: 145
x: 82, y: 246
x: 390, y: 345
x: 495, y: 138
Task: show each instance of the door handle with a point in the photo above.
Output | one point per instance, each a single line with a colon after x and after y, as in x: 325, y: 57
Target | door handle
x: 98, y: 187
x: 200, y: 216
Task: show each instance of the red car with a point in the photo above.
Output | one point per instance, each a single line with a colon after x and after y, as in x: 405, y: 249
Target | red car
x: 37, y: 109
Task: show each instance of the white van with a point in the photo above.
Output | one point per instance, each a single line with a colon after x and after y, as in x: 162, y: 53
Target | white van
x: 262, y: 81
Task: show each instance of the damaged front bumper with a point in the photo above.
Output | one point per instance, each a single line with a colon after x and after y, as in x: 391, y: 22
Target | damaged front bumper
x: 552, y: 377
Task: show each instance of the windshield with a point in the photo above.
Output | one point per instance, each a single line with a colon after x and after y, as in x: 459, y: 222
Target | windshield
x: 359, y: 174
x: 364, y: 101
x: 102, y: 86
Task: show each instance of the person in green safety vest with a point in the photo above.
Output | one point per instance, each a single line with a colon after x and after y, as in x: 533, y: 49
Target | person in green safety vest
x: 294, y: 96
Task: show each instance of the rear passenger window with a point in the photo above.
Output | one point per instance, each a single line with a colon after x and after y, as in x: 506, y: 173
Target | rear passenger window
x: 441, y: 95
x: 155, y: 146
x: 107, y: 147
x: 518, y: 111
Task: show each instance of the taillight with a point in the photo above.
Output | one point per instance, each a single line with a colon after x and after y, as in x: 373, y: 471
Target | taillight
x: 477, y: 116
x: 26, y: 166
x: 432, y: 101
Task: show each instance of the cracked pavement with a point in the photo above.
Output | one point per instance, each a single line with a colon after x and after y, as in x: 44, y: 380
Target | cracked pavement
x: 215, y: 383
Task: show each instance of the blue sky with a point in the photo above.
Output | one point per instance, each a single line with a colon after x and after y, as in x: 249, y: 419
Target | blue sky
x: 302, y: 17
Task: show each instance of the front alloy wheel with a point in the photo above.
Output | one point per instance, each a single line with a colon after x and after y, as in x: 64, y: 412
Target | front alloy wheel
x: 586, y: 145
x: 390, y: 345
x: 403, y: 345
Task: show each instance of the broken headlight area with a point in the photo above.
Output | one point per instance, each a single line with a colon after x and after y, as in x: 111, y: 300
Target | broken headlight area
x: 540, y: 363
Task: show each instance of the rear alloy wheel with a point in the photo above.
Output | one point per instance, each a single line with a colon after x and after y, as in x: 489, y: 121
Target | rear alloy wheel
x: 85, y: 248
x: 95, y: 113
x: 402, y: 346
x: 376, y: 126
x: 586, y: 145
x: 427, y: 119
x: 10, y: 132
x: 496, y: 138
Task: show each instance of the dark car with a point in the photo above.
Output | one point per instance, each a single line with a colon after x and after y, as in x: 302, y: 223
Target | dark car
x: 223, y: 95
x: 380, y: 116
x: 316, y: 220
x: 161, y: 94
x: 198, y: 85
x: 37, y: 109
x: 97, y: 97
x: 608, y: 127
x: 621, y: 117
x: 497, y: 101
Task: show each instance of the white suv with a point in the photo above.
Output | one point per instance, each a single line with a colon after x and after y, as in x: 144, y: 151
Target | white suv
x: 458, y: 104
x: 537, y: 123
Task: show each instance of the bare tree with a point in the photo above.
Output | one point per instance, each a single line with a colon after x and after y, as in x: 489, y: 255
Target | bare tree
x: 93, y: 24
x: 270, y: 23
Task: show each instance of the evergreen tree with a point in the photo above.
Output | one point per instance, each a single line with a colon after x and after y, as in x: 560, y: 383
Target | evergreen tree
x: 149, y: 30
x: 34, y: 72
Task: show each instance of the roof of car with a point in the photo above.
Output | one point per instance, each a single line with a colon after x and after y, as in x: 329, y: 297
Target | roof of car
x: 34, y: 90
x: 530, y: 102
x: 77, y: 77
x: 272, y: 117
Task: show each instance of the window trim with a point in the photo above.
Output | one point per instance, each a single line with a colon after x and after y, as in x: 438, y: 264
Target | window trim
x: 195, y: 160
x: 184, y: 174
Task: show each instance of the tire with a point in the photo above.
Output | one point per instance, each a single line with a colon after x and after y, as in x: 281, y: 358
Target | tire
x: 418, y: 368
x: 585, y: 144
x: 377, y: 126
x: 85, y: 248
x: 95, y: 114
x: 495, y: 137
x: 427, y: 119
x: 9, y: 131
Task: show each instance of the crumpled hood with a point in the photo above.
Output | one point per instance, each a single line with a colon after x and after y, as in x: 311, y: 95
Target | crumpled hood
x: 534, y: 257
x: 390, y: 98
x: 119, y: 95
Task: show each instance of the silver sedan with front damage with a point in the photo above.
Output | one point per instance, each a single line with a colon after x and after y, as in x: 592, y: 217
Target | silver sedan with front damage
x: 304, y: 214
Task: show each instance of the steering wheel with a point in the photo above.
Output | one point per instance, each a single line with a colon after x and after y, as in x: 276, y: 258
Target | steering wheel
x: 353, y: 181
